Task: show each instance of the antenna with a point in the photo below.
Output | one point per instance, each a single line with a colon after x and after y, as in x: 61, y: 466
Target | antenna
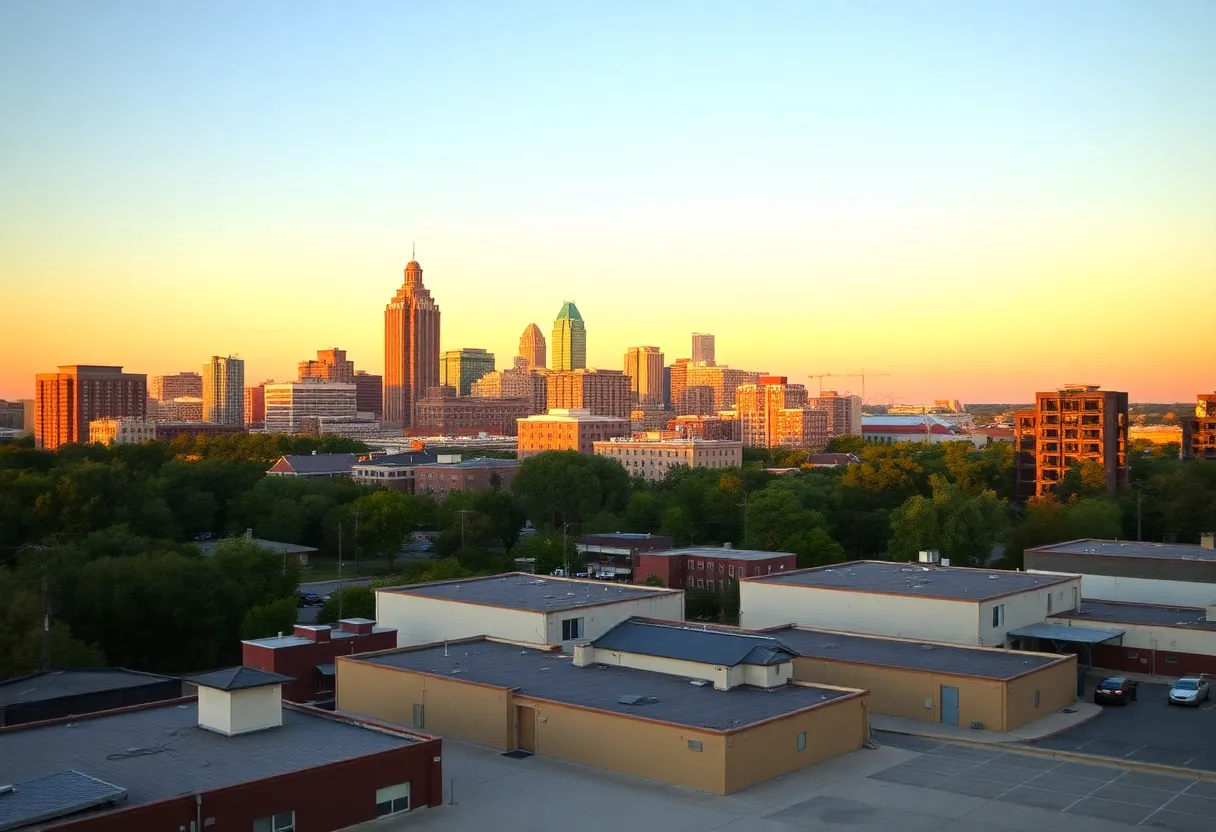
x: 413, y: 250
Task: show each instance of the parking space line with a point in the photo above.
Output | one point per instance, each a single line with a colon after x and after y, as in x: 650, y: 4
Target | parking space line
x: 1162, y: 808
x: 1095, y: 791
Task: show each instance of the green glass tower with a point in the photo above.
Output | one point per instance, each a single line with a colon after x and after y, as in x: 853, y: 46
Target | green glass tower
x: 569, y: 346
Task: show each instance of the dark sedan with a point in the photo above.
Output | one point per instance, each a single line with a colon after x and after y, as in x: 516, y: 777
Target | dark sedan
x: 1115, y: 691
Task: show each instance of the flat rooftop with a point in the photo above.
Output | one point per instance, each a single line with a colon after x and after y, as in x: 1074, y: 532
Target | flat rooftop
x: 56, y: 684
x: 478, y: 462
x: 549, y: 675
x: 522, y: 591
x: 1121, y: 612
x: 176, y: 756
x: 719, y: 552
x: 915, y: 579
x: 1133, y: 549
x: 912, y: 655
x: 276, y: 642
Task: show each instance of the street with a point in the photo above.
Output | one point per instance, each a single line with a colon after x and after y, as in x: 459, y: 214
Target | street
x: 308, y: 615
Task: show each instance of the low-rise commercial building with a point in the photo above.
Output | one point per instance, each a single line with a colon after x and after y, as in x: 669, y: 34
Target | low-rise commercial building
x: 395, y: 471
x: 651, y: 458
x: 59, y: 693
x: 1176, y: 574
x: 307, y: 655
x: 1156, y: 639
x: 444, y: 476
x: 519, y: 607
x: 981, y: 607
x: 929, y: 429
x: 705, y: 427
x: 236, y: 757
x: 314, y: 465
x: 567, y: 430
x: 696, y: 708
x: 710, y: 567
x: 273, y: 548
x: 444, y: 413
x: 123, y: 431
x: 619, y: 553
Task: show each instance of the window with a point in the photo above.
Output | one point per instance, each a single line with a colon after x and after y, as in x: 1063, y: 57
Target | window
x: 694, y: 745
x: 998, y: 615
x: 700, y: 583
x: 281, y: 822
x: 393, y: 800
x: 701, y: 565
x: 419, y: 716
x: 732, y: 571
x: 1171, y: 660
x: 709, y: 584
x: 572, y: 628
x: 722, y: 568
x: 325, y: 684
x: 801, y: 741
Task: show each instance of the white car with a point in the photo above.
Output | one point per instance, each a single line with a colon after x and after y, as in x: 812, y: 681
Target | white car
x: 1190, y: 690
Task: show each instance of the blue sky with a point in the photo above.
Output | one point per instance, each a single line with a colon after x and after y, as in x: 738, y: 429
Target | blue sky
x: 888, y: 172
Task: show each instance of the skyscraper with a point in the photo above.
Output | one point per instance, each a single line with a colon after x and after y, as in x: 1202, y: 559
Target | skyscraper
x: 460, y: 368
x: 330, y: 365
x: 644, y: 366
x: 569, y: 339
x: 703, y: 349
x: 411, y: 348
x: 65, y: 402
x: 224, y: 391
x: 532, y: 348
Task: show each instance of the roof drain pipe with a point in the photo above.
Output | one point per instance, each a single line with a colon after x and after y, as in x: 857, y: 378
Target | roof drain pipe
x: 198, y: 812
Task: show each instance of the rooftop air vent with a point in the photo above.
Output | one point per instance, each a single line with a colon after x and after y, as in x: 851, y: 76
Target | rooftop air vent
x: 633, y: 699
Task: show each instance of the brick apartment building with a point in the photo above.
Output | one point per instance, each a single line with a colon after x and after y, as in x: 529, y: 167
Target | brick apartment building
x: 519, y: 382
x: 443, y: 477
x: 619, y: 553
x: 710, y: 568
x: 601, y: 392
x: 1199, y: 431
x: 443, y: 413
x: 255, y: 405
x: 704, y: 427
x: 369, y: 393
x: 1067, y: 426
x: 844, y: 412
x: 330, y: 365
x: 567, y: 430
x: 307, y: 655
x: 66, y: 401
x: 773, y: 413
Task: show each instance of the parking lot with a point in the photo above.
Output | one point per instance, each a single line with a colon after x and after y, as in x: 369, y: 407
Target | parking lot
x: 1108, y: 793
x: 1148, y: 730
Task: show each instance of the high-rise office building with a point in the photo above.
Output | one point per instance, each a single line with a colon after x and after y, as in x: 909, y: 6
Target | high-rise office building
x: 602, y: 392
x: 517, y: 383
x: 330, y: 365
x: 176, y: 386
x: 722, y: 380
x: 844, y: 413
x: 411, y: 348
x: 532, y: 348
x: 255, y: 404
x: 703, y: 349
x: 569, y: 339
x: 774, y: 414
x: 677, y: 383
x: 1073, y: 424
x: 369, y: 393
x: 65, y: 402
x: 460, y: 368
x: 644, y: 366
x: 224, y: 391
x: 12, y: 415
x: 288, y: 405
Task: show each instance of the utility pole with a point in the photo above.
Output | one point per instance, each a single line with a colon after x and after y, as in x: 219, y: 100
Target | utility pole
x: 462, y: 512
x: 357, y: 564
x: 46, y: 611
x: 565, y: 551
x: 339, y: 570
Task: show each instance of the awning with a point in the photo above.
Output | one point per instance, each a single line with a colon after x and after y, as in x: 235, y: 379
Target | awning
x: 325, y: 669
x: 1061, y: 632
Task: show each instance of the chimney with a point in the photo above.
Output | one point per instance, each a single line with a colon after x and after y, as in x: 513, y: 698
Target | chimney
x: 1207, y: 540
x: 361, y: 626
x: 584, y: 654
x: 239, y: 700
x: 313, y: 632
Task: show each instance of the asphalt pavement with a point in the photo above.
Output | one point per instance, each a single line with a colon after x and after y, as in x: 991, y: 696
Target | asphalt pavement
x: 1149, y: 730
x: 308, y: 615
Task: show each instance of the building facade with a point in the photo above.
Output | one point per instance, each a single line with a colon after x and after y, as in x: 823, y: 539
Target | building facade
x: 449, y: 474
x: 255, y: 405
x: 123, y: 431
x: 182, y: 409
x: 532, y: 348
x: 602, y: 392
x: 12, y: 415
x: 369, y: 393
x: 567, y: 430
x: 723, y: 381
x: 644, y: 368
x: 710, y: 568
x: 1074, y: 424
x: 287, y: 404
x: 890, y: 430
x: 1180, y: 574
x: 458, y: 369
x: 224, y: 391
x: 166, y: 431
x: 844, y: 412
x: 307, y: 655
x: 66, y: 402
x: 443, y: 413
x: 651, y: 458
x: 1199, y: 431
x: 516, y: 383
x: 704, y: 427
x: 703, y: 349
x: 569, y: 339
x: 330, y: 365
x: 411, y: 348
x: 395, y: 472
x: 619, y: 553
x: 166, y: 388
x: 772, y: 413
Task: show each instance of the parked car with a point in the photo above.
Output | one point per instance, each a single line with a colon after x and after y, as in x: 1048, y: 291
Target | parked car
x: 309, y: 599
x: 1116, y: 691
x: 1190, y: 690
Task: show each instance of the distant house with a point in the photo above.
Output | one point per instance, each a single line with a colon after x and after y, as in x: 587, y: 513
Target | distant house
x: 314, y: 465
x: 285, y: 550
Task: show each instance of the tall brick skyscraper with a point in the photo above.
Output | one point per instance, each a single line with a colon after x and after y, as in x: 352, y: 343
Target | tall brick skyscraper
x: 65, y: 402
x: 532, y: 348
x: 411, y: 348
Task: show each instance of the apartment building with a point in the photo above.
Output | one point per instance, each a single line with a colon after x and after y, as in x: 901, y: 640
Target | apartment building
x: 224, y: 390
x: 369, y: 393
x: 723, y: 381
x: 123, y: 431
x: 567, y: 430
x: 255, y: 405
x: 444, y: 413
x: 1076, y: 423
x: 704, y: 427
x: 458, y: 369
x: 450, y: 473
x: 181, y: 409
x: 1199, y: 431
x: 519, y: 382
x: 602, y: 392
x: 651, y: 457
x: 287, y: 404
x: 330, y: 365
x: 844, y: 412
x: 710, y: 567
x: 65, y: 402
x: 703, y: 349
x: 644, y: 367
x: 773, y: 413
x: 176, y: 386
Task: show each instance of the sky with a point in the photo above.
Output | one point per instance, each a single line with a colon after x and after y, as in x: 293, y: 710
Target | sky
x: 978, y: 199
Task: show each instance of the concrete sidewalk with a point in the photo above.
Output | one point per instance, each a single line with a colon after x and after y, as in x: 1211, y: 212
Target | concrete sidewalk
x: 1070, y: 717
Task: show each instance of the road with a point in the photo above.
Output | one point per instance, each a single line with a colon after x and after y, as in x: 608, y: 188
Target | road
x: 1148, y: 730
x: 308, y: 615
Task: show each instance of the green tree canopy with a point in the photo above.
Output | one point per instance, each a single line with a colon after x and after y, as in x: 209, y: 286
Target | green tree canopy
x: 963, y: 527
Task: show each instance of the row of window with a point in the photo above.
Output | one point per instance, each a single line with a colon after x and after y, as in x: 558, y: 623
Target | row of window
x: 723, y: 569
x: 391, y: 800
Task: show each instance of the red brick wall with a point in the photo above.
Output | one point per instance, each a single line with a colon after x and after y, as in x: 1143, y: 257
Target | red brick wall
x: 675, y: 573
x: 300, y: 662
x: 1156, y: 662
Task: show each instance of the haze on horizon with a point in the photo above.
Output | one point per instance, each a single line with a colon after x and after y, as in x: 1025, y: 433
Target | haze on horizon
x: 980, y: 199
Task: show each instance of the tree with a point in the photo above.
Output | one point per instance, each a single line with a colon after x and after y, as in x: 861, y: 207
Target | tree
x: 356, y: 602
x: 814, y: 547
x: 386, y: 519
x: 559, y: 487
x: 652, y: 579
x: 963, y: 527
x: 545, y: 550
x: 845, y: 445
x: 21, y: 634
x: 1083, y: 480
x: 275, y: 617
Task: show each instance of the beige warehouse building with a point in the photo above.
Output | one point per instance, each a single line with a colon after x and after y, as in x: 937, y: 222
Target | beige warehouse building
x: 955, y: 605
x: 697, y: 708
x: 519, y: 607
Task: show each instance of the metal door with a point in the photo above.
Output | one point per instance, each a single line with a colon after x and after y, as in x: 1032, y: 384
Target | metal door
x: 949, y: 705
x: 525, y: 721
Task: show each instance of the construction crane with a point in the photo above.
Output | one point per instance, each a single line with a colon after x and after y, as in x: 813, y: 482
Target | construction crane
x: 821, y: 377
x: 863, y: 375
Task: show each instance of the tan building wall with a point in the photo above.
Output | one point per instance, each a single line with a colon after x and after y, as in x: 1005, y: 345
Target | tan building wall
x: 651, y: 458
x: 761, y: 752
x: 566, y: 430
x: 1056, y: 686
x: 603, y: 392
x: 461, y: 710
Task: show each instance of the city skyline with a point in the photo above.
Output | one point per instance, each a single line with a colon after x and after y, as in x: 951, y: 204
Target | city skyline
x: 824, y: 188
